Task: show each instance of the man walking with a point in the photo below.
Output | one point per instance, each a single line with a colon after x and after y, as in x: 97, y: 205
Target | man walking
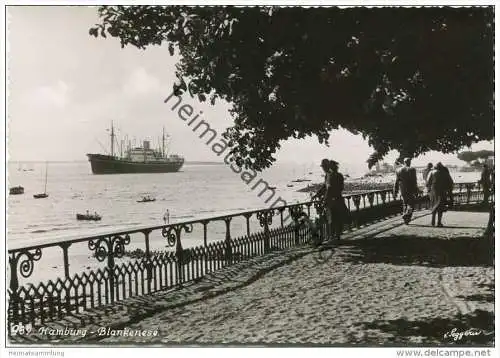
x: 485, y: 182
x: 406, y: 184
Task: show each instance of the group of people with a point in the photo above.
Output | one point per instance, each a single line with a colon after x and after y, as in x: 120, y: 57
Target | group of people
x: 439, y: 186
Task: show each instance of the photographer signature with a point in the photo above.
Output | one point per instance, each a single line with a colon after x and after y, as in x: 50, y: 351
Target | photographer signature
x: 457, y: 335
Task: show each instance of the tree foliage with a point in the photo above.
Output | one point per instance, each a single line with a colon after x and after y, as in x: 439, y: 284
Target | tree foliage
x: 469, y: 156
x: 409, y: 79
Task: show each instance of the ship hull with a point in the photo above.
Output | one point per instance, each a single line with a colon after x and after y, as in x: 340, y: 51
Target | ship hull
x: 105, y: 164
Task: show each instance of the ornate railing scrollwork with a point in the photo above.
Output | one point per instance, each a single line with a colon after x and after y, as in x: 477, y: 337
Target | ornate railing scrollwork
x: 173, y: 233
x: 295, y: 213
x: 265, y: 217
x: 318, y: 205
x: 109, y: 247
x: 118, y: 244
x: 26, y: 261
x: 169, y: 234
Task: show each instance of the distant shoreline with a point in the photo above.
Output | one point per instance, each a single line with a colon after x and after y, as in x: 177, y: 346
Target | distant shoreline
x: 85, y: 161
x: 205, y: 163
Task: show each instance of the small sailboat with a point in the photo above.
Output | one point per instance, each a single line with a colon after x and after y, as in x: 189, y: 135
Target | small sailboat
x: 44, y: 194
x: 300, y: 180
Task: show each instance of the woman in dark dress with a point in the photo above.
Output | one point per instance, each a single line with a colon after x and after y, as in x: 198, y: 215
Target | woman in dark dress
x: 335, y: 201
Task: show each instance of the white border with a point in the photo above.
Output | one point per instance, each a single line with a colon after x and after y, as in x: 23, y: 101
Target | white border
x: 218, y: 352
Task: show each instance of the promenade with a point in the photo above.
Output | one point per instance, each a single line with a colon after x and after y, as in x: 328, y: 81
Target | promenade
x: 384, y: 284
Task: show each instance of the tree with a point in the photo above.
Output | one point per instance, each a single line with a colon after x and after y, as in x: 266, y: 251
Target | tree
x: 469, y: 156
x: 409, y: 79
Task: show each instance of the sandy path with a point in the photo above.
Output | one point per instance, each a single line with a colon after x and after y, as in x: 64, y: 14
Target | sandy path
x: 408, y: 285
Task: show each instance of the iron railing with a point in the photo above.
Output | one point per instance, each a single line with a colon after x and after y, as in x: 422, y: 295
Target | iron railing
x: 151, y: 271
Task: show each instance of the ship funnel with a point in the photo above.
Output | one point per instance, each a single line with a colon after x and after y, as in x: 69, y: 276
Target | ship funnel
x: 146, y: 145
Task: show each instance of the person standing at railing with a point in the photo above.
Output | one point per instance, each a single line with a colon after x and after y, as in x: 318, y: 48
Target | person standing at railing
x: 406, y: 184
x: 485, y: 182
x: 324, y: 209
x: 441, y: 186
x: 335, y: 201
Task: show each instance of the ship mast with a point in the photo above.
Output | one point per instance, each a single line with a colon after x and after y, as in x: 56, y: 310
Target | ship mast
x: 163, y: 144
x: 112, y: 140
x: 46, y: 171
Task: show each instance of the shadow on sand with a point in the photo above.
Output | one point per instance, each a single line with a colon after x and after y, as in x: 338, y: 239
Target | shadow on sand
x: 475, y: 329
x: 413, y: 250
x: 431, y: 252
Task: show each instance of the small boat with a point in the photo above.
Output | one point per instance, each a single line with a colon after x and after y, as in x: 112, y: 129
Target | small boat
x: 88, y: 217
x: 300, y: 180
x: 146, y: 199
x: 16, y: 190
x: 41, y: 196
x: 44, y: 194
x: 289, y: 185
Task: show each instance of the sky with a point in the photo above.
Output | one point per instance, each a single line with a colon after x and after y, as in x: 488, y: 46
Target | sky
x: 65, y: 87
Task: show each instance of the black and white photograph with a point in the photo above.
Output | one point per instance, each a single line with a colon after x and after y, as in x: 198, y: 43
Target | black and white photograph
x: 273, y: 175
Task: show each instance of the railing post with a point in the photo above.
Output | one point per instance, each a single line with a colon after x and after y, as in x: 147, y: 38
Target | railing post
x: 205, y: 243
x: 149, y: 266
x: 173, y: 236
x: 178, y: 252
x: 111, y: 267
x: 64, y: 246
x: 356, y: 199
x: 295, y: 215
x: 308, y: 209
x: 371, y: 197
x: 281, y: 215
x: 228, y: 254
x: 13, y: 311
x: 26, y: 267
x: 247, y: 217
x: 348, y: 198
x: 109, y: 247
x: 205, y: 238
x: 265, y: 219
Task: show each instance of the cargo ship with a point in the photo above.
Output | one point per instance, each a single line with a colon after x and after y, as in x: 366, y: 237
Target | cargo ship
x: 135, y: 160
